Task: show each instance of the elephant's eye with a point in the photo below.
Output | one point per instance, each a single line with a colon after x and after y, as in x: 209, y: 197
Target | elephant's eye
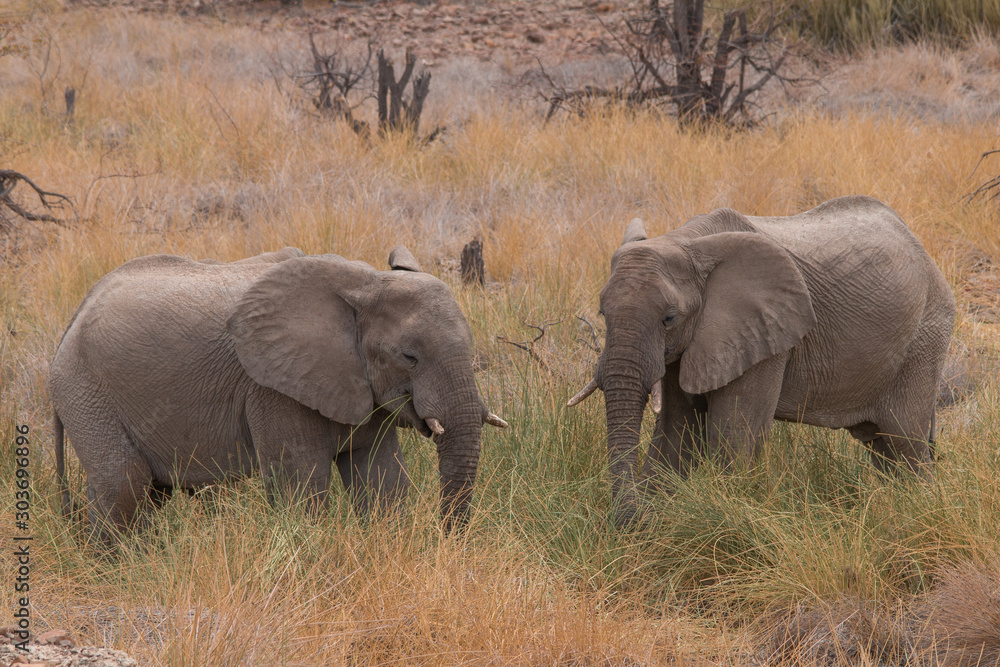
x: 668, y: 319
x: 410, y: 358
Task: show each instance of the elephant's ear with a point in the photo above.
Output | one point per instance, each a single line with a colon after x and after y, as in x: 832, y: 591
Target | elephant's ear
x: 401, y: 259
x: 635, y: 231
x: 295, y: 332
x: 756, y: 305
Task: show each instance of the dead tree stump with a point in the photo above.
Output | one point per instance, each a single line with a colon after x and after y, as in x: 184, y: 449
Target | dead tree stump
x: 473, y: 268
x: 70, y: 97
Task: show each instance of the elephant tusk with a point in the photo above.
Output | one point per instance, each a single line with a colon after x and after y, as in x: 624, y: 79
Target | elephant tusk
x: 584, y: 393
x: 434, y: 425
x: 656, y: 397
x: 496, y: 421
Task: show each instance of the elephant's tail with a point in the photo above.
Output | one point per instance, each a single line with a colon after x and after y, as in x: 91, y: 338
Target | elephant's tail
x: 57, y: 428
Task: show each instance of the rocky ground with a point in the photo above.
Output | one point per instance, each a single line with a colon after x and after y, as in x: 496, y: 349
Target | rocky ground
x: 56, y: 648
x: 515, y: 31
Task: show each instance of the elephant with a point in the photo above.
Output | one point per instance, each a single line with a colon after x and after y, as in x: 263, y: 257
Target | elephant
x: 181, y: 373
x: 835, y: 317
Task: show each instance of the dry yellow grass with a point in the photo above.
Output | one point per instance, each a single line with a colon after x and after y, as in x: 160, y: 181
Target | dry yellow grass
x: 183, y: 143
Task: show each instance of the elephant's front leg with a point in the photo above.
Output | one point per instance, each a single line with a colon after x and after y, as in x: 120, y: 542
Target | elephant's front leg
x: 678, y: 431
x: 740, y: 413
x: 295, y: 447
x: 372, y: 466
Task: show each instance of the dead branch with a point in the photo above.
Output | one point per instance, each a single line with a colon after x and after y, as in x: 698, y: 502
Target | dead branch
x: 594, y: 345
x: 529, y: 345
x: 133, y: 175
x: 992, y: 184
x: 50, y: 200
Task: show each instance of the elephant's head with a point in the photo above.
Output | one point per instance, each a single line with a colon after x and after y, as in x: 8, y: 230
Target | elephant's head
x: 717, y: 304
x: 346, y: 340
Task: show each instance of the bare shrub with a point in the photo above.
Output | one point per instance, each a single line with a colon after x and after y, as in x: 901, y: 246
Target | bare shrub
x: 675, y: 59
x: 333, y: 79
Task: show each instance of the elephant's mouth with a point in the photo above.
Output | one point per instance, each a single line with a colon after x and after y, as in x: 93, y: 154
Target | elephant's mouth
x: 406, y: 415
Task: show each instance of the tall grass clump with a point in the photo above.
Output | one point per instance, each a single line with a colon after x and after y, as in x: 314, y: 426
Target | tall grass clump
x: 854, y: 24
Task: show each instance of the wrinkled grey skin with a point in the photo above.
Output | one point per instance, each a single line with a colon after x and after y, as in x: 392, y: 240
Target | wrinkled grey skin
x: 181, y: 373
x: 836, y: 317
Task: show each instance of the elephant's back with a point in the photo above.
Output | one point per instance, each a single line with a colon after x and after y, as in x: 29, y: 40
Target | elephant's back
x: 860, y: 244
x: 857, y: 226
x: 152, y: 298
x: 149, y: 343
x: 877, y: 296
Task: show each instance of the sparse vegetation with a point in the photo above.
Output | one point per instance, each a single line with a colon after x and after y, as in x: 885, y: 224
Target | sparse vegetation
x: 808, y: 558
x: 861, y: 23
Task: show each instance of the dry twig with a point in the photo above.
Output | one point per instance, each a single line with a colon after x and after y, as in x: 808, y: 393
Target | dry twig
x: 102, y: 176
x: 50, y: 200
x: 529, y: 345
x: 988, y: 185
x: 594, y: 345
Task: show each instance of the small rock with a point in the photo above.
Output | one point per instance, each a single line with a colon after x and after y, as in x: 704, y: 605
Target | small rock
x: 55, y: 636
x: 535, y: 37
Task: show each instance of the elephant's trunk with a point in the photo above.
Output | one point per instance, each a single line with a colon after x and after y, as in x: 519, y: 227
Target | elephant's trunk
x: 624, y: 401
x: 458, y: 453
x: 455, y: 421
x: 626, y: 376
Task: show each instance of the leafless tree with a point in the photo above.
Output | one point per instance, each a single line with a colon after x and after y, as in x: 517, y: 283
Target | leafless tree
x: 676, y: 59
x: 395, y: 112
x: 334, y: 77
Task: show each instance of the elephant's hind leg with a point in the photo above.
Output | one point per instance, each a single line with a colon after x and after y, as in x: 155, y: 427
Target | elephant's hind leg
x: 905, y: 427
x: 902, y: 440
x: 118, y: 480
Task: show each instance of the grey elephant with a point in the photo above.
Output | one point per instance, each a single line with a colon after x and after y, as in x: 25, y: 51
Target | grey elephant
x: 181, y: 373
x: 835, y: 317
